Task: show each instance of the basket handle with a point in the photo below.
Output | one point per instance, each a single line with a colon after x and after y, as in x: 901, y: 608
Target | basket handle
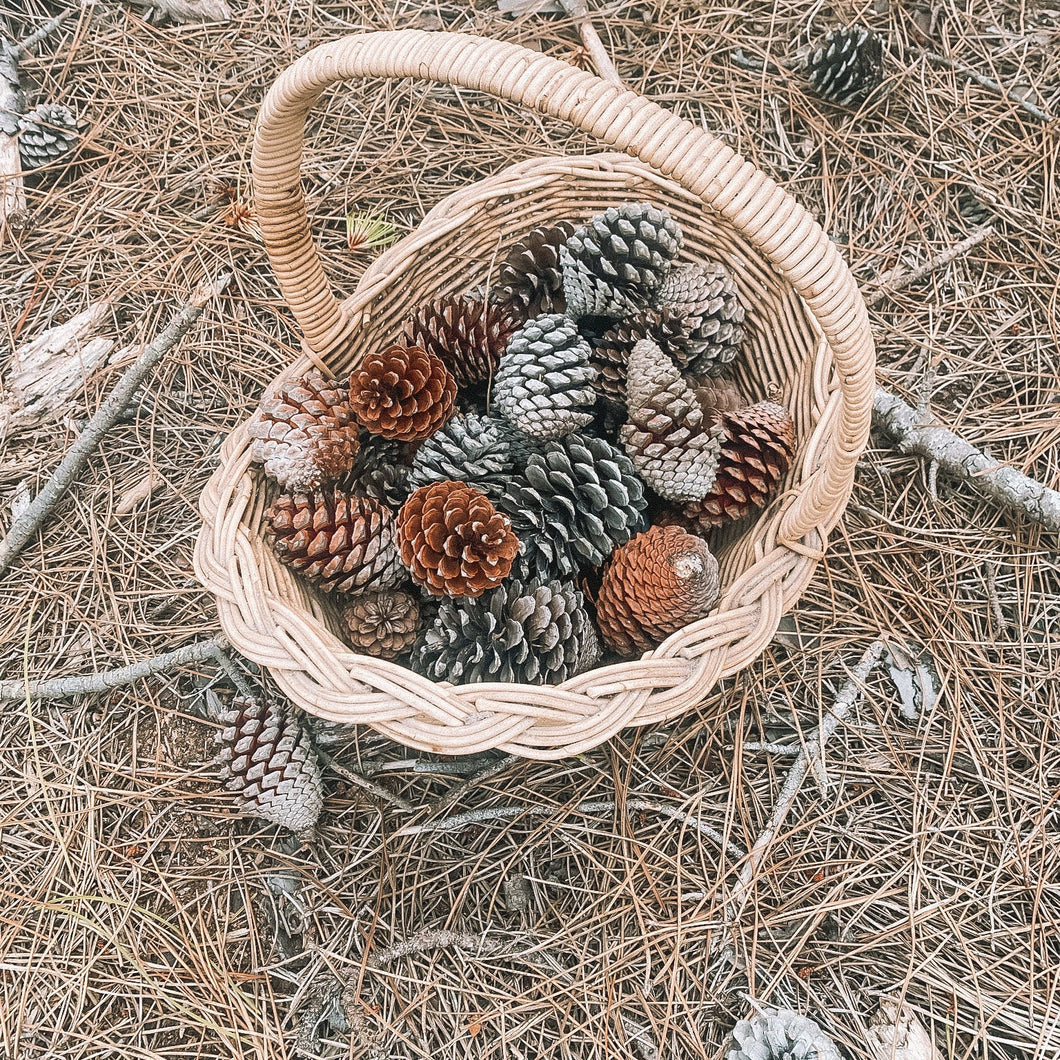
x: 764, y: 213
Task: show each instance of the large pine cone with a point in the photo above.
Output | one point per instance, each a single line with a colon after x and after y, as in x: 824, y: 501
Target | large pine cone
x: 304, y: 433
x: 671, y: 447
x: 342, y: 542
x: 757, y: 444
x: 610, y: 353
x: 268, y: 758
x: 466, y: 334
x: 612, y: 265
x: 544, y: 384
x: 46, y: 133
x: 530, y: 632
x: 848, y: 67
x: 454, y: 542
x: 403, y: 393
x: 382, y: 624
x: 530, y: 276
x: 780, y: 1035
x: 656, y: 584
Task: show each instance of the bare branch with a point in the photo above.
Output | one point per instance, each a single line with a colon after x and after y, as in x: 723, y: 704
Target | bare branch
x: 987, y: 83
x: 363, y: 782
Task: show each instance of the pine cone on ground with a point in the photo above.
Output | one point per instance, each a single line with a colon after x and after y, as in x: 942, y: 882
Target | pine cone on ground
x: 671, y: 446
x: 454, y: 542
x: 610, y: 353
x: 529, y: 632
x: 757, y: 445
x: 46, y: 133
x: 382, y: 470
x: 544, y: 385
x: 848, y: 67
x: 404, y: 393
x: 342, y: 542
x: 530, y: 276
x: 304, y: 433
x: 466, y: 334
x: 780, y: 1035
x: 612, y: 265
x: 268, y: 758
x: 656, y: 584
x: 382, y: 624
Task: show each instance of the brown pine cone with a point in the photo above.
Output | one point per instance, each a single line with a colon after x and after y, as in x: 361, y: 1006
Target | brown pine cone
x: 454, y: 541
x: 404, y: 393
x: 718, y: 396
x: 530, y: 276
x: 757, y: 444
x: 383, y: 624
x: 466, y: 334
x: 304, y: 433
x: 342, y: 542
x: 610, y: 353
x: 654, y: 585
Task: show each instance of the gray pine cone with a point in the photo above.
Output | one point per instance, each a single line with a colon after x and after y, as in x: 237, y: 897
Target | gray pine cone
x: 848, y: 67
x: 46, y: 133
x: 268, y: 758
x: 612, y: 264
x: 532, y: 633
x: 382, y: 470
x: 544, y: 384
x: 780, y: 1035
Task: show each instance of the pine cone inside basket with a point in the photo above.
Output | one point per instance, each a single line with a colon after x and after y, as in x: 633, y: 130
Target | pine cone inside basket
x: 340, y: 541
x: 757, y: 445
x: 47, y: 133
x: 404, y: 393
x: 780, y: 1035
x: 382, y: 624
x: 304, y: 433
x: 848, y: 66
x: 383, y: 470
x: 659, y: 582
x: 610, y: 352
x: 454, y: 542
x: 530, y: 276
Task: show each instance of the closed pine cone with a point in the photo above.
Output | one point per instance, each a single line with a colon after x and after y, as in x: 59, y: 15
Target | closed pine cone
x: 757, y: 445
x: 653, y: 586
x: 467, y: 334
x: 453, y: 541
x: 530, y: 276
x: 404, y: 392
x: 718, y: 396
x: 848, y: 66
x: 342, y: 542
x: 610, y: 353
x: 382, y: 624
x: 304, y: 433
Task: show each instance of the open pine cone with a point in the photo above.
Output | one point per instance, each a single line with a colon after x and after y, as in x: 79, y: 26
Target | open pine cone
x: 848, y: 66
x: 382, y: 624
x: 530, y: 276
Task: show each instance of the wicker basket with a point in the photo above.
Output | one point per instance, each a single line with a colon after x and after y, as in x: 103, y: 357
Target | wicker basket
x: 807, y: 332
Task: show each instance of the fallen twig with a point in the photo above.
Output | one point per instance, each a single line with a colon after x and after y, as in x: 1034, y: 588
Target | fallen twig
x: 107, y: 415
x: 457, y: 792
x: 363, y: 782
x: 578, y: 10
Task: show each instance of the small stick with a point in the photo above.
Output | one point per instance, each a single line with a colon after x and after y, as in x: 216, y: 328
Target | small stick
x: 434, y: 939
x: 987, y: 83
x: 107, y: 415
x: 578, y: 10
x: 459, y: 790
x: 363, y: 782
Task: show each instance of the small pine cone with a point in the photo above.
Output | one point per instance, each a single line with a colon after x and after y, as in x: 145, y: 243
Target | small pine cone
x: 304, y: 433
x: 342, y: 542
x: 656, y: 584
x: 612, y: 265
x: 382, y: 470
x: 530, y: 276
x: 544, y: 384
x: 466, y: 334
x: 666, y: 437
x: 268, y: 758
x: 579, y: 492
x: 717, y: 396
x: 706, y: 299
x: 757, y: 444
x: 610, y: 353
x: 529, y: 632
x: 454, y: 541
x: 382, y: 624
x: 780, y: 1035
x: 848, y: 67
x: 46, y: 133
x: 404, y: 393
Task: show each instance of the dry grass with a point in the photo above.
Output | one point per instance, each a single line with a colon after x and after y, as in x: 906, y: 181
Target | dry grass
x: 139, y: 918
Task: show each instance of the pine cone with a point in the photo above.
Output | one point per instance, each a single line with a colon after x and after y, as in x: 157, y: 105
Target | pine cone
x: 780, y: 1035
x: 403, y: 393
x: 848, y: 67
x: 454, y: 541
x: 671, y: 447
x: 342, y: 542
x: 466, y: 334
x: 46, y: 133
x: 577, y: 492
x: 544, y: 384
x: 655, y: 585
x: 612, y: 265
x: 382, y: 470
x: 382, y: 624
x: 268, y: 758
x: 610, y: 353
x: 757, y: 444
x: 706, y: 299
x: 529, y: 632
x: 530, y: 276
x: 717, y: 396
x: 304, y: 433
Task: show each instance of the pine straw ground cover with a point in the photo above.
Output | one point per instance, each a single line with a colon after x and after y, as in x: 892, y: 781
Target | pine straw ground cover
x: 140, y: 918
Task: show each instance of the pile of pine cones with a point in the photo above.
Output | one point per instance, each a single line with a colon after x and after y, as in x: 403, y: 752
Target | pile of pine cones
x: 528, y: 478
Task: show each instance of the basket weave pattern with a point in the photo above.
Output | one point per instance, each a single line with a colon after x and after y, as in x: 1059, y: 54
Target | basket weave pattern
x: 807, y: 332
